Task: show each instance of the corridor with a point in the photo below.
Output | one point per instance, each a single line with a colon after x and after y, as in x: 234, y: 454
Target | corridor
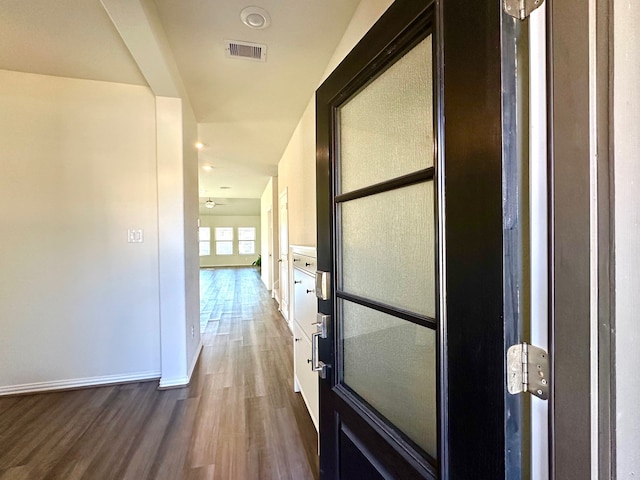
x: 238, y: 419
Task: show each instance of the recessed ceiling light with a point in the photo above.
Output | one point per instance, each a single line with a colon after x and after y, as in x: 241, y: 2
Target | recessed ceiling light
x: 255, y: 17
x: 207, y: 167
x: 199, y: 145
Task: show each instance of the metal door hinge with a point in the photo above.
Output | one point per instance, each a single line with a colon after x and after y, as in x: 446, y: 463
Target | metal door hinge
x: 521, y: 9
x: 528, y: 370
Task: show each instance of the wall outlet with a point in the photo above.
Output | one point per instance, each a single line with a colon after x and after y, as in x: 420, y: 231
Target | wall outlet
x: 193, y: 332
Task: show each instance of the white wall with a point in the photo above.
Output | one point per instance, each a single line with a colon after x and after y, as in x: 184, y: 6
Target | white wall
x: 179, y: 316
x: 191, y: 213
x: 140, y: 28
x: 626, y: 106
x: 365, y: 16
x: 78, y: 169
x: 296, y: 169
x: 213, y: 221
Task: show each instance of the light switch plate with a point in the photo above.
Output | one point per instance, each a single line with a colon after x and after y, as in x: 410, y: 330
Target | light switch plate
x: 135, y: 235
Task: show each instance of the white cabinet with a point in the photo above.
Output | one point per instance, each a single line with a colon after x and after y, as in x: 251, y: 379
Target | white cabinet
x: 305, y: 308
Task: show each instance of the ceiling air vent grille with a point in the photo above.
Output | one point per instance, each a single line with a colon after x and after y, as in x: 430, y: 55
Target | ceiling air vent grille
x: 249, y: 51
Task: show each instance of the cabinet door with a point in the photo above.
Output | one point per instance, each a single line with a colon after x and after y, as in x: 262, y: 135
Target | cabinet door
x: 304, y: 302
x: 306, y: 380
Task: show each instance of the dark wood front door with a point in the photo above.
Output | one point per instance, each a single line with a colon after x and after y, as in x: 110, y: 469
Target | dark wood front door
x: 410, y: 231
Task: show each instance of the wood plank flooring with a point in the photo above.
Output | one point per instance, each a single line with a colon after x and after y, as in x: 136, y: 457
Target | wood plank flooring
x: 238, y: 419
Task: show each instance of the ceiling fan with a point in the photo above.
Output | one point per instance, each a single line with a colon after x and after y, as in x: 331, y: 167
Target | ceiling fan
x: 211, y: 204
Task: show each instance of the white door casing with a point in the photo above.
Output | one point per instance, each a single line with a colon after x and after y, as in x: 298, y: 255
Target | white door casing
x: 283, y: 235
x: 269, y: 262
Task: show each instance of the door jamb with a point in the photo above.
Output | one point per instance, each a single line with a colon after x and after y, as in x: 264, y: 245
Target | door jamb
x: 581, y: 303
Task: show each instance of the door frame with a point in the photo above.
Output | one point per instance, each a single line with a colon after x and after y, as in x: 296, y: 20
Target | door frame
x: 581, y: 307
x: 270, y: 258
x: 284, y: 290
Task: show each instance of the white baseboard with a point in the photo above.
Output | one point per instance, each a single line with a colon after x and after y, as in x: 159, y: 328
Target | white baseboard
x: 175, y: 382
x: 194, y: 361
x: 78, y: 383
x: 233, y: 265
x: 179, y: 382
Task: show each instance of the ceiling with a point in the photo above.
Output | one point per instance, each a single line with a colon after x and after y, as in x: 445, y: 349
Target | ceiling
x: 246, y: 110
x: 231, y: 206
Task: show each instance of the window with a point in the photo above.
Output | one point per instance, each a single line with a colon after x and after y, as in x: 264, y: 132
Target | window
x: 246, y: 240
x: 204, y: 237
x: 224, y: 241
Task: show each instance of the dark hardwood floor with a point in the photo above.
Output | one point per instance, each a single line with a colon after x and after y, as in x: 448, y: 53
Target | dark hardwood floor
x: 238, y: 419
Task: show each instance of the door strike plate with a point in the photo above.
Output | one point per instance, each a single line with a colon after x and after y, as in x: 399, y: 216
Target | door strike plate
x: 528, y: 370
x: 322, y: 285
x: 521, y: 9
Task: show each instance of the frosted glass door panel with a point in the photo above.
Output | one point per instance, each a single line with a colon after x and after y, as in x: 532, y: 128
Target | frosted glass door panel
x: 388, y: 248
x: 391, y: 363
x: 386, y: 130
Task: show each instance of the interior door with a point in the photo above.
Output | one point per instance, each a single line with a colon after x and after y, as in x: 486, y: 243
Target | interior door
x: 410, y: 150
x: 269, y: 264
x: 283, y: 232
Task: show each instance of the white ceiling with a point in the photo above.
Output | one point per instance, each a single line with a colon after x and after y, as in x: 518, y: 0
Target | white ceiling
x: 65, y: 38
x: 246, y: 110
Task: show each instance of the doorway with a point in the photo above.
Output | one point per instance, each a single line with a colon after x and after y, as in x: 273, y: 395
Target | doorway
x: 269, y: 265
x: 283, y: 260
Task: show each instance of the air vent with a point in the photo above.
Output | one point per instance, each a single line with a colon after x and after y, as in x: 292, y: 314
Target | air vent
x: 249, y: 51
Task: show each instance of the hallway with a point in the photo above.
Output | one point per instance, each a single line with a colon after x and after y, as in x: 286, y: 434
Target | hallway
x: 238, y: 419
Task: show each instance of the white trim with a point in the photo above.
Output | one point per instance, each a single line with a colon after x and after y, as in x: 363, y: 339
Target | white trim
x: 248, y: 265
x: 195, y: 359
x: 179, y: 382
x: 78, y: 383
x: 285, y: 311
x: 309, y: 251
x: 233, y: 265
x: 176, y: 382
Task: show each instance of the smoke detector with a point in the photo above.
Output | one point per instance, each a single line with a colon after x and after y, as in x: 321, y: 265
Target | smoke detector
x: 255, y: 17
x: 246, y: 50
